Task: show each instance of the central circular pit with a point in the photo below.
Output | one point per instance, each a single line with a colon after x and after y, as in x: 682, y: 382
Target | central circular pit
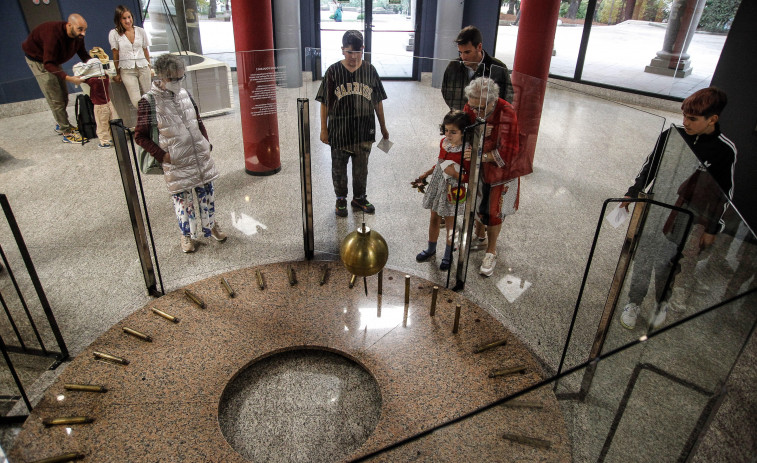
x: 300, y: 405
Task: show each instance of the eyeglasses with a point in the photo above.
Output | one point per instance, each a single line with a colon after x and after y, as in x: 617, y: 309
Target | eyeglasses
x: 175, y: 79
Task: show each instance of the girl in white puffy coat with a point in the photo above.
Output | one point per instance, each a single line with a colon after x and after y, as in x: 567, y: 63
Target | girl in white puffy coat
x: 182, y: 149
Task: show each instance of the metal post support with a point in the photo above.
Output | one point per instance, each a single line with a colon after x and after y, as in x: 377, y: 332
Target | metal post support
x: 470, y: 204
x: 13, y: 225
x: 16, y: 379
x: 121, y: 142
x: 306, y: 181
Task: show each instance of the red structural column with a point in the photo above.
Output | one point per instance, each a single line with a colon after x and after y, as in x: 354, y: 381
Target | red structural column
x: 253, y: 40
x: 533, y: 52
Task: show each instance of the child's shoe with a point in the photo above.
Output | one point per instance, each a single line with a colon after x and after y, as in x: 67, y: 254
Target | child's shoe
x: 105, y: 144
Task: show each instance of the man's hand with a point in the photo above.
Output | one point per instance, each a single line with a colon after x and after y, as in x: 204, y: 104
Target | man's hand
x: 167, y: 158
x: 625, y: 204
x: 325, y: 136
x: 117, y: 78
x: 384, y: 133
x: 705, y: 241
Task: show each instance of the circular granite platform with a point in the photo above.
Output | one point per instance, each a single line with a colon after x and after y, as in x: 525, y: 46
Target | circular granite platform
x: 164, y: 405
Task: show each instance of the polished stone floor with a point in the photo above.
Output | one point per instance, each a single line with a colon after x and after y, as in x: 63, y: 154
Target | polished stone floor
x: 70, y: 206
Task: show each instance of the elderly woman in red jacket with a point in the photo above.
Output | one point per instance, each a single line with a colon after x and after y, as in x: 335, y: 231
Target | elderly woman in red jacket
x: 501, y: 164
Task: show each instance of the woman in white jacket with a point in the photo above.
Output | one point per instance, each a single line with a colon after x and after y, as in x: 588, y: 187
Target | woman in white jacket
x: 130, y: 54
x: 182, y: 149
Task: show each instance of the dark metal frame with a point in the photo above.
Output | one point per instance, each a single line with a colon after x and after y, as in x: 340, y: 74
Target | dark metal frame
x: 705, y: 417
x: 22, y: 348
x: 122, y: 137
x: 474, y: 133
x: 306, y: 181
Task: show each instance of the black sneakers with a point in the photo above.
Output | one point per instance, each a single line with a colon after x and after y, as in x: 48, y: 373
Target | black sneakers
x: 363, y: 204
x: 341, y: 207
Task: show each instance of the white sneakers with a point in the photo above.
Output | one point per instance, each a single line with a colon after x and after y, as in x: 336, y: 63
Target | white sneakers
x: 659, y: 319
x: 487, y: 267
x: 216, y: 233
x: 186, y: 244
x: 631, y: 313
x: 628, y: 317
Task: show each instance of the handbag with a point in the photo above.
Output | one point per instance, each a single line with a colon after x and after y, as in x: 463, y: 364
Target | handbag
x: 147, y: 164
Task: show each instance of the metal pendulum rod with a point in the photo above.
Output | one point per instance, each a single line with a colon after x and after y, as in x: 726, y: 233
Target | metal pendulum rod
x: 457, y: 319
x: 137, y: 334
x: 228, y: 287
x: 365, y: 285
x: 193, y: 297
x: 381, y: 282
x: 434, y: 295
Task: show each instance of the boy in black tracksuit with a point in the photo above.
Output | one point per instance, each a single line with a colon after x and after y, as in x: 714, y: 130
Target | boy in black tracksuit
x: 704, y: 193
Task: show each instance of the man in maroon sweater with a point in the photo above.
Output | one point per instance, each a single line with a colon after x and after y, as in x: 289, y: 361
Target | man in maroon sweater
x: 49, y: 46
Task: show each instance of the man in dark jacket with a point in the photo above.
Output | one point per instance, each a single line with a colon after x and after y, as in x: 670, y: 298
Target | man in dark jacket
x: 473, y: 62
x: 49, y: 46
x: 706, y: 193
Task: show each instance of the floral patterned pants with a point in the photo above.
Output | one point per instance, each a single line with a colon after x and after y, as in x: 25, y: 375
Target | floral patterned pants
x: 184, y: 205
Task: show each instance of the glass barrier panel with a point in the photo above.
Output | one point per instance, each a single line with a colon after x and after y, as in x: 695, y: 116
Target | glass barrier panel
x: 649, y: 401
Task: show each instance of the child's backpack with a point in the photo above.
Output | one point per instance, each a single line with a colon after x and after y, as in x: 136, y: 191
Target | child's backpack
x: 85, y: 117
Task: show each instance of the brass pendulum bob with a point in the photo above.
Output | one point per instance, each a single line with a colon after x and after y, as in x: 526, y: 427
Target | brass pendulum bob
x: 364, y: 253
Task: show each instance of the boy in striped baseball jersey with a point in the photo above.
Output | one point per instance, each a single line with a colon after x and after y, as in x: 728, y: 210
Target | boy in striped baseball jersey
x: 350, y: 93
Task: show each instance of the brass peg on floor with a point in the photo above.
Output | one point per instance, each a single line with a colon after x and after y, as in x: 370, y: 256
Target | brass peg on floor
x: 62, y: 458
x: 194, y: 298
x: 352, y: 281
x: 110, y: 358
x: 532, y: 441
x: 492, y: 345
x: 137, y: 334
x: 66, y: 420
x: 434, y: 295
x: 407, y: 289
x: 324, y: 273
x: 168, y: 317
x: 507, y: 371
x: 259, y: 277
x: 85, y: 387
x: 228, y: 287
x: 291, y: 275
x: 457, y: 319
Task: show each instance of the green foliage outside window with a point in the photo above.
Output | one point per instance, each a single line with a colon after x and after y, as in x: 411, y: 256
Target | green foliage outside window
x: 718, y: 15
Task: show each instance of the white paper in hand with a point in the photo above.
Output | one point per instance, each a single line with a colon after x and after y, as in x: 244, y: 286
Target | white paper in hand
x: 618, y: 216
x: 384, y: 145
